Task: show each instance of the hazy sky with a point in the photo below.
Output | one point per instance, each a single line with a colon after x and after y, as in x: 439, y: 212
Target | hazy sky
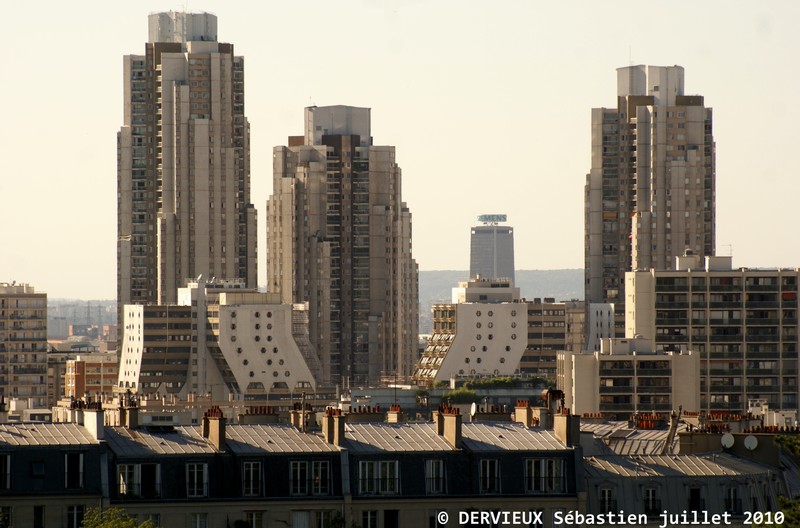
x: 488, y: 104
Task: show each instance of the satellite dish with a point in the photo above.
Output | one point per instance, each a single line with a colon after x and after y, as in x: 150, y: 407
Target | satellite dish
x: 473, y: 410
x: 750, y: 442
x: 727, y: 440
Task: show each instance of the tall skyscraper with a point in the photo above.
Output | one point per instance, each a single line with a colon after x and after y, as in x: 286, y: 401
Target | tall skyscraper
x: 183, y: 170
x: 650, y: 192
x: 23, y: 343
x: 491, y: 253
x: 339, y: 238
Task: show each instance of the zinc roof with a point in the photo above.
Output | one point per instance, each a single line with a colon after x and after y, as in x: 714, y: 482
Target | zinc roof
x: 711, y: 465
x: 507, y: 436
x: 274, y: 438
x: 144, y: 441
x: 44, y: 434
x: 623, y: 440
x: 382, y: 437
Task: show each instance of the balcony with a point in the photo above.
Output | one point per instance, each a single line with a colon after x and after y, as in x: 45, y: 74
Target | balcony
x: 672, y: 322
x: 616, y: 407
x: 615, y: 372
x: 654, y: 390
x: 616, y: 390
x: 660, y: 372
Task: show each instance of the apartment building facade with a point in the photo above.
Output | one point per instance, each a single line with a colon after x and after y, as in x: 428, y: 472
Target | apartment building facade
x: 339, y: 239
x: 23, y: 343
x: 183, y: 163
x: 91, y: 374
x: 650, y: 192
x: 629, y: 377
x: 742, y: 322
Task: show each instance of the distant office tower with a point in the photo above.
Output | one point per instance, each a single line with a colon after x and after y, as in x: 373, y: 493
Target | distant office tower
x: 491, y: 252
x: 183, y: 163
x: 23, y: 343
x: 650, y: 192
x: 339, y: 238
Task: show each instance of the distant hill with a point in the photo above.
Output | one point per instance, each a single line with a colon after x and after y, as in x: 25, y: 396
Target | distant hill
x: 436, y: 286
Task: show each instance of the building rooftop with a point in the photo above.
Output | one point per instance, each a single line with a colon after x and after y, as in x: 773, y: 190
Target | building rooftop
x: 273, y: 438
x: 711, y: 465
x: 44, y: 434
x: 617, y: 438
x: 382, y: 437
x: 148, y: 441
x: 505, y: 436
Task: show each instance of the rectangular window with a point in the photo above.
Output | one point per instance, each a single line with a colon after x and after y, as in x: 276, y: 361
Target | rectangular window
x: 607, y: 503
x: 149, y: 480
x: 251, y: 479
x: 369, y: 519
x: 154, y: 517
x: 196, y: 480
x: 254, y: 519
x: 198, y: 520
x: 322, y: 519
x: 321, y: 477
x: 652, y: 506
x: 544, y: 475
x: 38, y: 517
x: 299, y: 478
x: 380, y: 477
x: 5, y: 471
x: 128, y: 480
x: 490, y: 476
x: 75, y: 516
x: 389, y: 477
x: 434, y: 477
x: 73, y: 470
x: 366, y: 477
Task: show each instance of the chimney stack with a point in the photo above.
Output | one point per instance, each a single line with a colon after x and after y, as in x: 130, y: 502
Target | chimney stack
x: 523, y: 413
x: 93, y: 420
x: 395, y: 414
x: 299, y: 416
x: 214, y: 427
x: 333, y: 426
x: 449, y: 423
x: 567, y: 428
x: 262, y: 414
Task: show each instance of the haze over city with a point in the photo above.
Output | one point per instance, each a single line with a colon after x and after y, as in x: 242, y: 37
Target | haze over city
x: 488, y: 107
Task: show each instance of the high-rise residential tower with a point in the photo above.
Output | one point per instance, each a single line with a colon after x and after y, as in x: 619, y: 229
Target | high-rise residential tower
x: 23, y: 343
x: 650, y: 192
x: 491, y: 252
x: 339, y: 238
x: 183, y: 171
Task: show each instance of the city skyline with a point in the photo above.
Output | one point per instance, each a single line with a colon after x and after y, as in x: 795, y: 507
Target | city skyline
x: 513, y: 87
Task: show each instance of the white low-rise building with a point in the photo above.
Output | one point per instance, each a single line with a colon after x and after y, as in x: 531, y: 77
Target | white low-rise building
x: 626, y: 377
x: 220, y: 340
x: 484, y: 334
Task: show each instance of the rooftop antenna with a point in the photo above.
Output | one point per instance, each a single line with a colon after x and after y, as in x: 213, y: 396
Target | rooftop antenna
x: 630, y: 55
